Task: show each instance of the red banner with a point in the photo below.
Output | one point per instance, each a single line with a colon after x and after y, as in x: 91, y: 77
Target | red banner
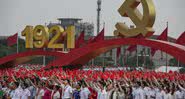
x: 11, y: 40
x: 163, y: 36
x: 181, y: 39
x: 80, y: 40
x: 99, y: 37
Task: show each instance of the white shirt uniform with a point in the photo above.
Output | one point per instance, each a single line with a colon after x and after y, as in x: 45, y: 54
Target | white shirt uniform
x: 17, y: 93
x: 138, y: 93
x: 178, y: 95
x: 67, y: 93
x: 40, y: 94
x: 183, y: 91
x: 25, y: 94
x: 160, y: 94
x: 56, y: 95
x: 115, y: 95
x: 168, y: 96
x: 102, y: 94
x: 146, y: 91
x: 84, y: 93
x: 152, y: 93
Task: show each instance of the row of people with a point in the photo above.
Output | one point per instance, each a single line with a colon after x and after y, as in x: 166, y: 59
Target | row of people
x: 79, y: 84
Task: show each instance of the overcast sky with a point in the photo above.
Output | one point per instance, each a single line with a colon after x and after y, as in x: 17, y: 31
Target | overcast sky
x: 16, y: 14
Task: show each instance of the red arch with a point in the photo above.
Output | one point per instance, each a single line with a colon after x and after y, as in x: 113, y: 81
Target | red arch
x: 29, y: 53
x: 86, y: 53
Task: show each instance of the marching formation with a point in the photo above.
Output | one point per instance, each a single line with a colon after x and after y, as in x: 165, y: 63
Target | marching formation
x: 80, y: 84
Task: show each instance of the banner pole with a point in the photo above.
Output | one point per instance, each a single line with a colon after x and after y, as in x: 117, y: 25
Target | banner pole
x: 166, y: 53
x: 17, y: 43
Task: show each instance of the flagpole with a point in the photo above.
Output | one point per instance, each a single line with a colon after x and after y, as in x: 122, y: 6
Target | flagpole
x: 124, y: 57
x: 17, y: 42
x: 44, y: 57
x: 137, y: 56
x: 178, y: 64
x: 116, y: 59
x: 166, y: 53
x: 150, y: 58
x: 145, y: 58
x: 104, y: 53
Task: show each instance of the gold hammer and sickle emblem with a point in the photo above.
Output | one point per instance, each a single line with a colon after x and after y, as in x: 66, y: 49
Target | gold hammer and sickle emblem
x: 143, y: 23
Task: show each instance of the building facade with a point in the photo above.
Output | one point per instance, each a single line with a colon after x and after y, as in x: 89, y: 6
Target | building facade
x: 80, y: 26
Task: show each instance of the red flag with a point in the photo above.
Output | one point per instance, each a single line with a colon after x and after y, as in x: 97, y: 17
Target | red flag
x: 80, y: 40
x: 11, y: 40
x: 181, y: 39
x: 99, y: 37
x: 134, y: 47
x: 90, y: 40
x: 118, y: 52
x: 163, y: 36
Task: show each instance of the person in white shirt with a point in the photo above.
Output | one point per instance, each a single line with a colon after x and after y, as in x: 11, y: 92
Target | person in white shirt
x: 101, y: 90
x: 138, y: 93
x: 146, y: 90
x: 152, y: 93
x: 55, y: 93
x: 182, y: 89
x: 26, y: 93
x: 168, y: 94
x: 160, y: 93
x: 39, y: 91
x: 84, y: 93
x: 67, y: 90
x: 178, y: 93
x: 17, y: 92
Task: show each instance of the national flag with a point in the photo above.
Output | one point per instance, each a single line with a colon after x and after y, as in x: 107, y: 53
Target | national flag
x: 99, y: 37
x: 181, y: 39
x: 80, y: 40
x: 163, y: 36
x: 11, y: 40
x: 90, y: 40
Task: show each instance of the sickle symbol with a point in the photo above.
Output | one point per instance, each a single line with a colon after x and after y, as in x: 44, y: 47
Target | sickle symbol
x: 144, y: 23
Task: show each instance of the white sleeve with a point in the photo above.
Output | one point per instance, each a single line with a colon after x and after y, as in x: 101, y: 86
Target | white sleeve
x: 42, y: 92
x: 181, y: 88
x: 70, y: 90
x: 28, y: 93
x: 19, y: 92
x: 142, y: 95
x: 57, y: 95
x: 86, y: 94
x: 62, y: 86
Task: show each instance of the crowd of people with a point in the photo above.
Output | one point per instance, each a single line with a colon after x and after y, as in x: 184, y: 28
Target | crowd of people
x: 90, y: 84
x: 29, y: 66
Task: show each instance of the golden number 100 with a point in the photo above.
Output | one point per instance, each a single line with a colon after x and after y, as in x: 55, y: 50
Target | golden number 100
x: 40, y: 36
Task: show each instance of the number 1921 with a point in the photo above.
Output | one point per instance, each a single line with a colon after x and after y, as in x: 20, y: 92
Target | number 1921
x: 55, y: 37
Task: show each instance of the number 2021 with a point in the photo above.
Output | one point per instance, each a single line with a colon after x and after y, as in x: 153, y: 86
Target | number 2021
x: 39, y: 36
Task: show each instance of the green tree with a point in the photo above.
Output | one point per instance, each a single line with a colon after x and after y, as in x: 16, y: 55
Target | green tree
x: 173, y: 62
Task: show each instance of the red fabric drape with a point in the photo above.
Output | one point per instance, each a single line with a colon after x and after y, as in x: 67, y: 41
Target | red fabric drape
x: 11, y: 40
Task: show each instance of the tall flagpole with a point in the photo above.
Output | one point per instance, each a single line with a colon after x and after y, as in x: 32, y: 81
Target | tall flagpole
x: 44, y: 57
x: 178, y: 64
x: 144, y: 62
x: 104, y: 53
x: 137, y: 56
x: 166, y: 53
x: 17, y: 42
